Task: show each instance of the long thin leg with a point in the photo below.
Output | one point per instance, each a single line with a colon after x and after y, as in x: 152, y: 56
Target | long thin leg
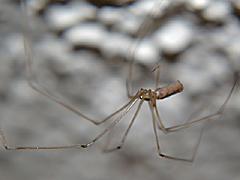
x: 158, y: 143
x: 193, y: 122
x: 36, y: 87
x: 5, y: 144
x: 157, y: 81
x: 109, y: 128
x: 129, y: 79
x: 142, y: 31
x: 127, y: 131
x: 159, y: 121
x: 208, y: 117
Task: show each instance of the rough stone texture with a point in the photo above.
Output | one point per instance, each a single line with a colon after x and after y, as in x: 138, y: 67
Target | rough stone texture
x: 111, y: 2
x: 92, y: 77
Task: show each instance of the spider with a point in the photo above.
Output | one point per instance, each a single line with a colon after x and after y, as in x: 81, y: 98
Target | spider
x: 151, y: 96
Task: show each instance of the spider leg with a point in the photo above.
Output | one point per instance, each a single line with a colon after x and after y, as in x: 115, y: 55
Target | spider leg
x: 191, y: 122
x: 127, y: 131
x: 110, y: 127
x: 6, y: 146
x: 133, y: 98
x: 157, y: 69
x: 4, y: 143
x: 144, y: 28
x: 129, y: 80
x: 160, y: 122
x: 219, y: 112
x: 163, y: 155
x: 37, y: 87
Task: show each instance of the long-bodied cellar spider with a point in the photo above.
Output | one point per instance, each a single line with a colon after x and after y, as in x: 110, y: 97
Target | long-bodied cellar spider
x: 151, y: 96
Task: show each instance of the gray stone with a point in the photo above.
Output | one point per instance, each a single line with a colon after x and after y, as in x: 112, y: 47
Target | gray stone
x: 217, y: 11
x: 150, y: 7
x: 174, y: 37
x: 128, y: 24
x: 110, y: 16
x: 116, y: 44
x: 147, y: 53
x: 62, y: 17
x: 86, y: 34
x: 197, y: 5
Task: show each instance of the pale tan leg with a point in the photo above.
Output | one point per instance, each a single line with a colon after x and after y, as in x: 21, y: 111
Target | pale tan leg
x: 36, y: 87
x: 154, y: 121
x: 109, y: 128
x: 160, y: 122
x: 129, y: 80
x: 142, y: 31
x: 127, y: 131
x: 5, y: 144
x: 157, y: 81
x: 190, y: 123
x: 208, y: 117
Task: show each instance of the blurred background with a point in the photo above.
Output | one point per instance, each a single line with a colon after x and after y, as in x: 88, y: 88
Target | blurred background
x: 82, y: 51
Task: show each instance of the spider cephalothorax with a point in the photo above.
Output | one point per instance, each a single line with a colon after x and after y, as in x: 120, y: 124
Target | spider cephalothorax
x: 160, y: 93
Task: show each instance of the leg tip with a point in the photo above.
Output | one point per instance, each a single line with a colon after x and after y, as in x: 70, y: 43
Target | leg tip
x: 84, y: 145
x: 162, y: 155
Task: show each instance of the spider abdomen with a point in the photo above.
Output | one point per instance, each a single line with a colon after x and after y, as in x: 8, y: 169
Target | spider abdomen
x: 169, y: 90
